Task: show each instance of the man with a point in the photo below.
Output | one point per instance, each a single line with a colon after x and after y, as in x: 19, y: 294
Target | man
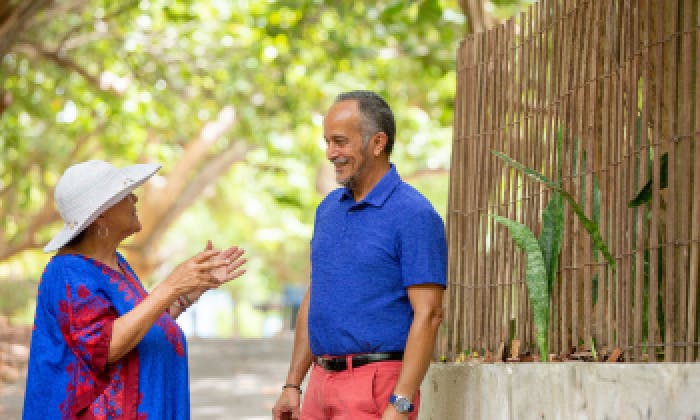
x: 369, y: 320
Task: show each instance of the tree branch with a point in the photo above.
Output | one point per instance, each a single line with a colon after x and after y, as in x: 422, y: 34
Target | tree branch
x: 33, y: 50
x: 14, y: 18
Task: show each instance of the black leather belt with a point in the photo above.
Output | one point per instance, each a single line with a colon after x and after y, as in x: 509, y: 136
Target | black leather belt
x: 340, y: 363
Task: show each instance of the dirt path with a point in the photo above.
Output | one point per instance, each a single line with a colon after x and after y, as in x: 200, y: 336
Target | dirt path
x: 229, y: 379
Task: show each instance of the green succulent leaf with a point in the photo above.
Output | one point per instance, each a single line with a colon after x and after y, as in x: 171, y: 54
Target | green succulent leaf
x: 551, y: 236
x: 536, y: 278
x: 587, y: 223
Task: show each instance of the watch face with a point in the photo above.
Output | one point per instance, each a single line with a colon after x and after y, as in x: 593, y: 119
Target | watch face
x: 402, y: 404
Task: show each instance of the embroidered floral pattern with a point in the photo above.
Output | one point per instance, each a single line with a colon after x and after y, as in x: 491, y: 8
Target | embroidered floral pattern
x: 72, y: 330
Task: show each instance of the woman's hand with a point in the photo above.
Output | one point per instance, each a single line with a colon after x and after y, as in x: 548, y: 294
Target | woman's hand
x: 232, y: 268
x: 195, y: 273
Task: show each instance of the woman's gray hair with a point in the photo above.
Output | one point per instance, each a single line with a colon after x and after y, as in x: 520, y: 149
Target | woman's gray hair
x: 376, y: 115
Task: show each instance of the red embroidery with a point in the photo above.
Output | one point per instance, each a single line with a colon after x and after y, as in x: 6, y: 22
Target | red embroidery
x: 96, y: 390
x: 134, y: 292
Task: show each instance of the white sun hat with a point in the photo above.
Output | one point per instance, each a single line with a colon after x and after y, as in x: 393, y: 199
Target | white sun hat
x: 88, y: 189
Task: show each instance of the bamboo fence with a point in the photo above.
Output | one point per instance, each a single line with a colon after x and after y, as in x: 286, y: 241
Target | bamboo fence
x: 617, y: 82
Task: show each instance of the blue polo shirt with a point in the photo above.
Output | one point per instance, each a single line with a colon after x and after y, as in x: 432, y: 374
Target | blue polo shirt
x: 363, y: 257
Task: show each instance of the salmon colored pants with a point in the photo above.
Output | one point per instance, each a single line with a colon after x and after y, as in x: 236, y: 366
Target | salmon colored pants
x: 360, y: 393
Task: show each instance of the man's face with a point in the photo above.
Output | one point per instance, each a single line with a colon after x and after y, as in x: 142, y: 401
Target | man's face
x: 343, y: 136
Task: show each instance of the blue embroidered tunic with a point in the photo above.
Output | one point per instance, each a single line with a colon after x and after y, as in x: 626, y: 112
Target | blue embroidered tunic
x: 69, y: 378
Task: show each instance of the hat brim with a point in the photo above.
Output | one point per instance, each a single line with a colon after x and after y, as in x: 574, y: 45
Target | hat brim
x: 128, y: 179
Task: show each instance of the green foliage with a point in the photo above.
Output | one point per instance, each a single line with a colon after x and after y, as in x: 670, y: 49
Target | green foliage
x: 134, y: 81
x: 536, y: 276
x: 590, y: 226
x: 644, y: 195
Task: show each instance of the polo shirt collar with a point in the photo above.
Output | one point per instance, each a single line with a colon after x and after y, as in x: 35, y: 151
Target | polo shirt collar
x: 381, y: 192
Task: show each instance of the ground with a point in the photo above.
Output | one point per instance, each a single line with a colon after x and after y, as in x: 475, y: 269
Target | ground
x: 231, y: 379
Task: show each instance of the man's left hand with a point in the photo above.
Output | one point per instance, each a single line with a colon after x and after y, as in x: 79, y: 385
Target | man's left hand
x: 391, y: 414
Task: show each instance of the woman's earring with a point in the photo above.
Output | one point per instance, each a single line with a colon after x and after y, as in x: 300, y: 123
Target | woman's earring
x: 102, y: 235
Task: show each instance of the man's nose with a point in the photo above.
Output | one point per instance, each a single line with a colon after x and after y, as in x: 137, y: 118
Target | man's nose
x: 331, y: 151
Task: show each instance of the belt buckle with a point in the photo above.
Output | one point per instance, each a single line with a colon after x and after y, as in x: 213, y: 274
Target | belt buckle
x: 332, y: 363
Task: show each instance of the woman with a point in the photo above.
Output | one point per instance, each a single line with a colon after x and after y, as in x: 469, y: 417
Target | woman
x: 102, y: 347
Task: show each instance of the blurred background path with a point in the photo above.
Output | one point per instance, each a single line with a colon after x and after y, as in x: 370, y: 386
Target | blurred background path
x: 232, y: 379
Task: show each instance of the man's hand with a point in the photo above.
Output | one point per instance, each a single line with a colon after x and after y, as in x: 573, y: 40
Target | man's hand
x: 390, y: 413
x: 287, y: 405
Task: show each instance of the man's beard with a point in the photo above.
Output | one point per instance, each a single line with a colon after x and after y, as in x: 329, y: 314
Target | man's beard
x: 351, y: 181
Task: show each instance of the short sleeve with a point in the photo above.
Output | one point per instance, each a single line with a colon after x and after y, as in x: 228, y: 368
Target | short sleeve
x: 423, y: 249
x: 91, y: 318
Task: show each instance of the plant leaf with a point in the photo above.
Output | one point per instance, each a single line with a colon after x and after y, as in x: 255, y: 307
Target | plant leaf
x: 644, y: 195
x: 551, y: 236
x: 536, y: 279
x: 587, y: 223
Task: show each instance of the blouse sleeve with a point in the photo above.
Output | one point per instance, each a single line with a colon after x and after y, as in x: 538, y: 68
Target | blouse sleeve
x: 91, y: 317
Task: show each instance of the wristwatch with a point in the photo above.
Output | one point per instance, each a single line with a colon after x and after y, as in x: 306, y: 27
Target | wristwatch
x: 401, y: 403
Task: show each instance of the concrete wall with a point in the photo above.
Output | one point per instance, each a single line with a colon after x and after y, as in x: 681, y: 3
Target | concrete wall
x: 566, y: 391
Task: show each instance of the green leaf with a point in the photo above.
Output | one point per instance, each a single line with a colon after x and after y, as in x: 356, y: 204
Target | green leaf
x: 644, y: 195
x: 551, y: 236
x: 587, y: 223
x: 536, y: 278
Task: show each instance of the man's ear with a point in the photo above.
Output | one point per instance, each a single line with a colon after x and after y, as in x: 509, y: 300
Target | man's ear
x: 378, y: 142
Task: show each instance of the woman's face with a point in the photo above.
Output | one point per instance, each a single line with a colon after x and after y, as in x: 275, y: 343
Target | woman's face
x: 121, y: 218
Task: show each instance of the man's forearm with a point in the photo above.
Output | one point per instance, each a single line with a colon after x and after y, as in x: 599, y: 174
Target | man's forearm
x: 418, y: 353
x: 301, y: 354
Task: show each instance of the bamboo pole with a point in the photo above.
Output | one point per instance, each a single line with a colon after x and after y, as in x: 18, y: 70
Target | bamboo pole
x: 564, y: 100
x: 478, y: 198
x: 587, y: 171
x: 655, y: 20
x: 684, y: 138
x: 669, y: 130
x: 555, y: 72
x: 606, y: 179
x: 596, y: 170
x: 500, y: 196
x: 510, y: 189
x: 490, y: 198
x: 692, y: 313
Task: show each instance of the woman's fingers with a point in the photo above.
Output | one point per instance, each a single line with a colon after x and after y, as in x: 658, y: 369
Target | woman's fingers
x: 205, y: 255
x: 236, y: 264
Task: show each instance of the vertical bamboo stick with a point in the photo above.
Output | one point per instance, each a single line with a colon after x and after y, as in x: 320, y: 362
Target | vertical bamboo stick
x: 638, y: 165
x: 456, y: 223
x: 501, y: 194
x: 553, y: 127
x: 587, y: 171
x: 668, y: 133
x: 695, y: 221
x: 465, y: 125
x: 576, y: 150
x: 618, y: 176
x: 564, y: 158
x: 627, y: 172
x: 596, y: 166
x: 530, y: 187
x: 522, y: 141
x: 684, y: 138
x: 510, y: 136
x: 655, y: 19
x: 489, y: 196
x: 473, y: 248
x: 607, y: 211
x: 515, y: 177
x: 642, y: 53
x: 481, y: 164
x: 484, y: 220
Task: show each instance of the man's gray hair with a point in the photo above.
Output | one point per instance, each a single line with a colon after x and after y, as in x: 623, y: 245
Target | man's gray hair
x: 376, y: 115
